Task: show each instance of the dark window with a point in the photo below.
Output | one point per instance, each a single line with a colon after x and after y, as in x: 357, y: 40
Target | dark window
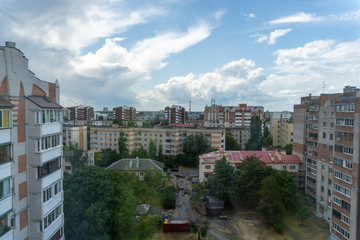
x: 49, y: 168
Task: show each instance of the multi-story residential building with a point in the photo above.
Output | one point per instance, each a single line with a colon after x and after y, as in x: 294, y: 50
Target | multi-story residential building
x: 80, y: 113
x: 170, y: 138
x: 281, y: 128
x: 231, y: 116
x: 125, y: 113
x: 276, y: 160
x: 326, y: 136
x: 241, y: 135
x: 175, y: 114
x: 31, y: 196
x: 75, y: 134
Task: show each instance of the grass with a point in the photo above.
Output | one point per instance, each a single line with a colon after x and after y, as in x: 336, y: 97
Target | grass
x: 310, y: 230
x: 178, y: 236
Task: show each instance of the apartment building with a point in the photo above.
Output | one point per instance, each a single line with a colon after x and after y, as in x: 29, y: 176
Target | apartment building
x: 125, y: 113
x: 326, y: 136
x: 281, y: 128
x: 175, y: 114
x: 231, y: 116
x: 170, y: 138
x: 75, y: 134
x: 80, y: 112
x: 277, y: 160
x: 31, y: 196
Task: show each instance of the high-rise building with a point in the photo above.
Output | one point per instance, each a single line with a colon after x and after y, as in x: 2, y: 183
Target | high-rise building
x: 31, y: 196
x: 326, y: 137
x: 175, y: 114
x: 231, y: 116
x: 281, y: 128
x: 80, y: 113
x: 125, y: 113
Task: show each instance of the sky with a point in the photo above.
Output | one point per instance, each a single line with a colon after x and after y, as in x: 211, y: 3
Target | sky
x: 153, y: 54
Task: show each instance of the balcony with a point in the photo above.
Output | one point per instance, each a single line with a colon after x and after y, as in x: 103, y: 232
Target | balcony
x: 4, y: 136
x: 54, y: 227
x: 5, y: 170
x: 5, y: 204
x: 46, y: 155
x: 7, y: 235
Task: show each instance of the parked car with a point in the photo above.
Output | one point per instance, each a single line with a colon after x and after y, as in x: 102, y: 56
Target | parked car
x: 180, y: 175
x: 174, y: 170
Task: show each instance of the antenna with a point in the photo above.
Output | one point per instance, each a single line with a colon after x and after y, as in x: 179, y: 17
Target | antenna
x: 323, y: 87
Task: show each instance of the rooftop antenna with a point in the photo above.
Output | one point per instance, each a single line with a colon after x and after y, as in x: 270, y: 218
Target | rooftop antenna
x: 323, y: 87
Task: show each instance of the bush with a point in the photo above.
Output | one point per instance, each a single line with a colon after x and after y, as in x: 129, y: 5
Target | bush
x: 168, y: 198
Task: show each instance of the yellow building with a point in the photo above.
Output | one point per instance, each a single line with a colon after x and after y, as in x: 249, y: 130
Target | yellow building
x: 281, y: 128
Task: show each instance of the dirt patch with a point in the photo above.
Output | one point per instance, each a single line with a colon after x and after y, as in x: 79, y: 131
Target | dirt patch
x: 178, y: 236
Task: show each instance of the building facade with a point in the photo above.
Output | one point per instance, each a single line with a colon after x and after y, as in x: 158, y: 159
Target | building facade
x: 80, y: 113
x: 281, y: 128
x: 174, y: 114
x: 169, y: 138
x: 75, y: 134
x: 277, y: 160
x: 326, y: 136
x: 31, y: 196
x: 231, y: 116
x: 125, y: 113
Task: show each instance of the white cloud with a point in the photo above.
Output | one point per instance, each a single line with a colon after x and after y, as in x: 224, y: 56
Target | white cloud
x: 233, y: 82
x: 251, y: 15
x: 297, y: 18
x: 272, y: 37
x: 297, y: 72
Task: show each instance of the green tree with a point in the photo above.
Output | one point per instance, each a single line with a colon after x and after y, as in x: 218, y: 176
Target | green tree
x: 303, y: 214
x: 288, y: 189
x: 270, y: 206
x: 266, y: 131
x: 117, y: 121
x: 201, y: 229
x: 88, y: 137
x: 160, y: 156
x: 288, y: 148
x: 231, y: 143
x: 140, y: 153
x: 223, y: 182
x: 250, y: 175
x: 99, y: 204
x: 108, y: 157
x: 193, y: 146
x: 152, y: 150
x: 168, y: 198
x: 267, y: 141
x: 123, y: 151
x: 254, y: 142
x: 79, y: 157
x: 198, y: 194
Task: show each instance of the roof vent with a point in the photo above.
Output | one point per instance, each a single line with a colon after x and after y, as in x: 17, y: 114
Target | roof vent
x: 10, y: 44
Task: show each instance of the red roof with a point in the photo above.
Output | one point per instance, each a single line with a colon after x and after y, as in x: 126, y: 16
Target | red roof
x: 268, y: 157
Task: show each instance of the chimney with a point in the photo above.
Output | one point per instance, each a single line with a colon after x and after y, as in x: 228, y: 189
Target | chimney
x: 271, y: 156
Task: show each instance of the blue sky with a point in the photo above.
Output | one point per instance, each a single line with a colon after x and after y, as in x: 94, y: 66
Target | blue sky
x: 151, y: 54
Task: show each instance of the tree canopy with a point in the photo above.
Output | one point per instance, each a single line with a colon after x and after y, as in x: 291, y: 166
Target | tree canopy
x: 223, y: 182
x: 254, y: 142
x: 193, y: 146
x: 79, y: 159
x: 231, y: 143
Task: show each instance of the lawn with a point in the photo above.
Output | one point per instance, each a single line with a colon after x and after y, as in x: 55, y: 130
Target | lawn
x: 316, y: 229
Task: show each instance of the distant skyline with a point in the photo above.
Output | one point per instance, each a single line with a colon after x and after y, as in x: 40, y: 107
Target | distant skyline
x: 152, y: 54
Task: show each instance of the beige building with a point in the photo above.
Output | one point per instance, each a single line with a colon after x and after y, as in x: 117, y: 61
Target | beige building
x: 327, y: 138
x: 76, y: 135
x: 31, y: 196
x: 276, y: 160
x: 281, y: 128
x: 170, y: 138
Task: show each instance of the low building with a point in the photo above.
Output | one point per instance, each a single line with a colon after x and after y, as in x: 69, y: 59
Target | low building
x: 170, y: 139
x: 276, y: 160
x: 139, y: 166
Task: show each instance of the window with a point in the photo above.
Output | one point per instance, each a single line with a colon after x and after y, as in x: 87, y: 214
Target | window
x: 332, y: 125
x: 325, y: 103
x: 292, y: 167
x: 342, y: 190
x: 47, y: 193
x: 5, y: 189
x: 5, y: 118
x: 49, y: 167
x: 324, y: 146
x: 345, y: 122
x: 331, y: 136
x: 325, y: 114
x: 348, y: 136
x: 345, y: 107
x: 52, y: 216
x: 4, y: 224
x: 48, y: 116
x: 47, y: 142
x: 284, y: 167
x: 344, y: 149
x: 324, y: 135
x: 340, y: 230
x: 342, y: 176
x: 324, y: 124
x: 57, y: 187
x: 5, y: 153
x: 207, y: 166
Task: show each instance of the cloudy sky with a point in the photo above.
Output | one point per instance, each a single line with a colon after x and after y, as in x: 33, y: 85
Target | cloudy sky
x: 150, y: 54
